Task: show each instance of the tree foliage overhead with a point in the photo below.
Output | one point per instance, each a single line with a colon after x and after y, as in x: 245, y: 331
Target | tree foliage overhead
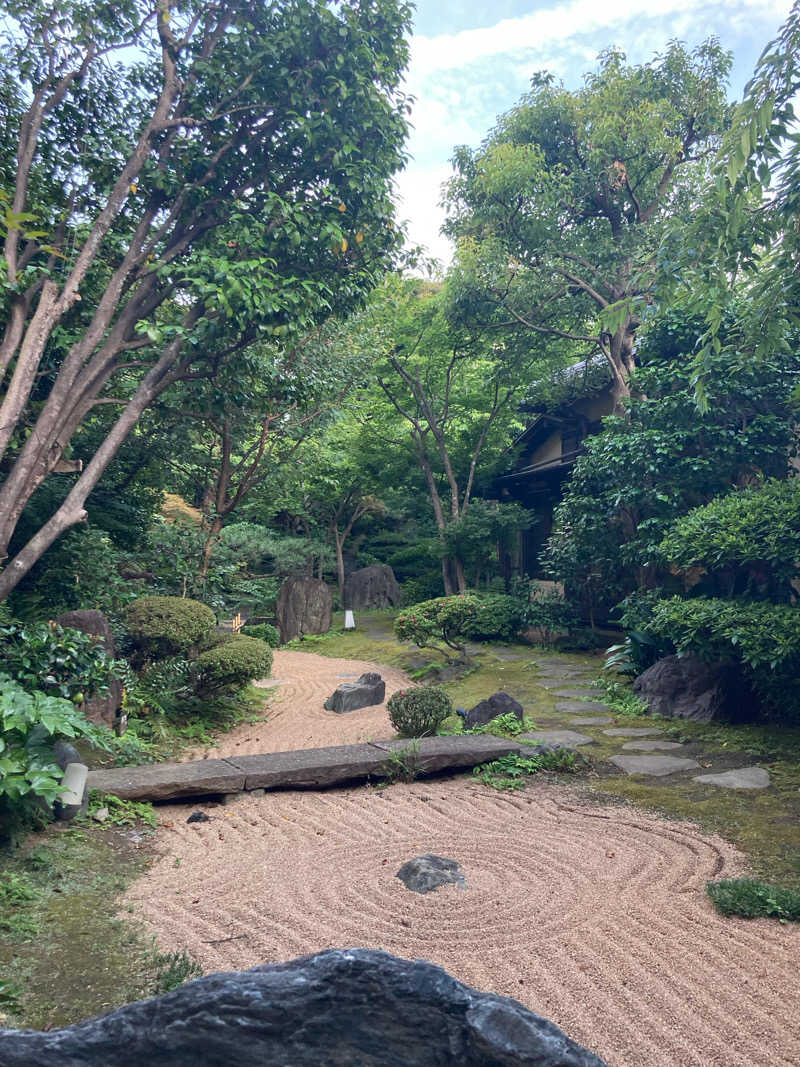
x: 560, y: 212
x: 187, y: 179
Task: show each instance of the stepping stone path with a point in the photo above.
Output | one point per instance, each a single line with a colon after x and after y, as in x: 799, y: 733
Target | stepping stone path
x: 591, y: 720
x: 656, y: 766
x: 651, y: 746
x: 557, y: 737
x: 576, y: 694
x: 742, y: 778
x: 631, y: 731
x: 579, y: 706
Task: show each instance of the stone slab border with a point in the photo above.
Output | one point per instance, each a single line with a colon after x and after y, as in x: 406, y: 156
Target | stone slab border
x: 302, y: 768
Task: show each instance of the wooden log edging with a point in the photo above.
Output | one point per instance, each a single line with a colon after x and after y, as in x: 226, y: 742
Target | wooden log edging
x: 306, y: 768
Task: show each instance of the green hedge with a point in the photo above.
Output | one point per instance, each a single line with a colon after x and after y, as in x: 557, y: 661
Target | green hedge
x: 264, y: 631
x: 168, y: 625
x: 232, y: 665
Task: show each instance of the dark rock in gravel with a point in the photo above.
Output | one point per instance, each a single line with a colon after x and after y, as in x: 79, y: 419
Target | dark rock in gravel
x: 686, y: 687
x: 198, y: 816
x: 428, y: 872
x: 498, y: 704
x: 340, y: 1008
x: 305, y: 606
x: 368, y: 690
x: 371, y: 588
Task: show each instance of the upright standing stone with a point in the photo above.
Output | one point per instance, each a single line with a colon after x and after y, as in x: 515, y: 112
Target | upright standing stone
x: 305, y: 606
x: 101, y: 710
x: 686, y: 687
x: 371, y: 587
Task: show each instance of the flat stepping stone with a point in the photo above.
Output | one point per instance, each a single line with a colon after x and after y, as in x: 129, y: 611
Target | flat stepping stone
x: 570, y: 706
x: 591, y: 720
x: 651, y: 746
x: 656, y: 766
x: 577, y: 694
x: 307, y: 767
x: 557, y: 737
x: 632, y: 731
x: 741, y: 778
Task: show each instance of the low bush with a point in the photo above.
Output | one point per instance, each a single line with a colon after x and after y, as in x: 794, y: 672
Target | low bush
x: 231, y: 665
x: 60, y: 661
x: 164, y: 626
x: 750, y: 899
x: 453, y: 620
x: 29, y: 725
x: 510, y: 772
x: 265, y: 632
x: 419, y: 712
x: 550, y: 614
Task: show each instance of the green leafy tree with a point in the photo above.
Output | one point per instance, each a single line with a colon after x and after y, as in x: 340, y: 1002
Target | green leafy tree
x: 559, y: 214
x: 190, y: 178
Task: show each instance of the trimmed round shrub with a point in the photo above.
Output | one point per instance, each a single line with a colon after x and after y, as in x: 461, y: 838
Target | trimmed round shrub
x: 264, y: 631
x: 232, y: 664
x: 168, y: 625
x: 419, y: 712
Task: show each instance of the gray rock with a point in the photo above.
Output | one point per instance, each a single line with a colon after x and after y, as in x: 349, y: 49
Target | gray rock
x: 577, y: 694
x: 498, y: 704
x: 65, y: 753
x: 567, y: 738
x: 741, y: 778
x: 371, y: 588
x: 686, y: 687
x: 590, y: 720
x: 428, y: 872
x: 656, y: 766
x: 100, y: 710
x: 579, y: 706
x: 340, y: 1008
x: 651, y: 746
x: 370, y: 689
x: 632, y: 731
x: 305, y: 606
x: 198, y: 816
x: 100, y: 815
x: 308, y: 767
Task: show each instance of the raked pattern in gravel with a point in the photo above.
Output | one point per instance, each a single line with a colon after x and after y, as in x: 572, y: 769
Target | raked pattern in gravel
x: 593, y: 916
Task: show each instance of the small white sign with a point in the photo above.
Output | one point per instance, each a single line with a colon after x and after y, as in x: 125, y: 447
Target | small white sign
x: 349, y: 621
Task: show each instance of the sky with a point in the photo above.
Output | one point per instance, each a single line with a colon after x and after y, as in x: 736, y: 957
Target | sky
x: 471, y: 62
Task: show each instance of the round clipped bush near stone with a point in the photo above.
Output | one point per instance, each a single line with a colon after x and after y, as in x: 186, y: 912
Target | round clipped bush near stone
x: 232, y: 664
x: 164, y: 626
x: 419, y: 712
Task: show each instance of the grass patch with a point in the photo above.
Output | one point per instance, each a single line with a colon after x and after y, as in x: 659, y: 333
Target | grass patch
x: 122, y: 812
x: 750, y: 899
x: 83, y: 960
x: 402, y: 764
x: 511, y: 772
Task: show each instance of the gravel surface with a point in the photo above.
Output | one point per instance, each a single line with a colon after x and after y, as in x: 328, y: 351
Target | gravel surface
x: 593, y: 916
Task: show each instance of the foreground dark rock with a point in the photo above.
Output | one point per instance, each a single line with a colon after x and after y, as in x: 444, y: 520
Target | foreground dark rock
x: 305, y: 606
x: 686, y: 687
x: 101, y: 710
x: 497, y: 704
x: 370, y: 689
x: 302, y: 768
x: 340, y: 1008
x: 371, y: 588
x: 428, y: 872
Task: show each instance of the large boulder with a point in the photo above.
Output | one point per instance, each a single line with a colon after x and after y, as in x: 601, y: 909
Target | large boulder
x: 498, y: 704
x: 305, y: 606
x: 686, y: 687
x: 369, y: 690
x: 371, y: 588
x: 350, y: 1006
x: 101, y: 710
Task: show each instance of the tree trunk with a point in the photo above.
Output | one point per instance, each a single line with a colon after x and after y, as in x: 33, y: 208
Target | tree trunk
x: 339, y: 542
x: 208, y: 548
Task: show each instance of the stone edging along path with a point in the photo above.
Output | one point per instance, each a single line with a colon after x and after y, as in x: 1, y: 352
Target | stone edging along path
x: 308, y: 767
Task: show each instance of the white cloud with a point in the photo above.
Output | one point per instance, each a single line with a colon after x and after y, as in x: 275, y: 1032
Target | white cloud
x: 418, y: 196
x: 545, y: 27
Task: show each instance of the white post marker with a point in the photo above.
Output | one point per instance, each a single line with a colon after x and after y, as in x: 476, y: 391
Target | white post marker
x: 349, y: 621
